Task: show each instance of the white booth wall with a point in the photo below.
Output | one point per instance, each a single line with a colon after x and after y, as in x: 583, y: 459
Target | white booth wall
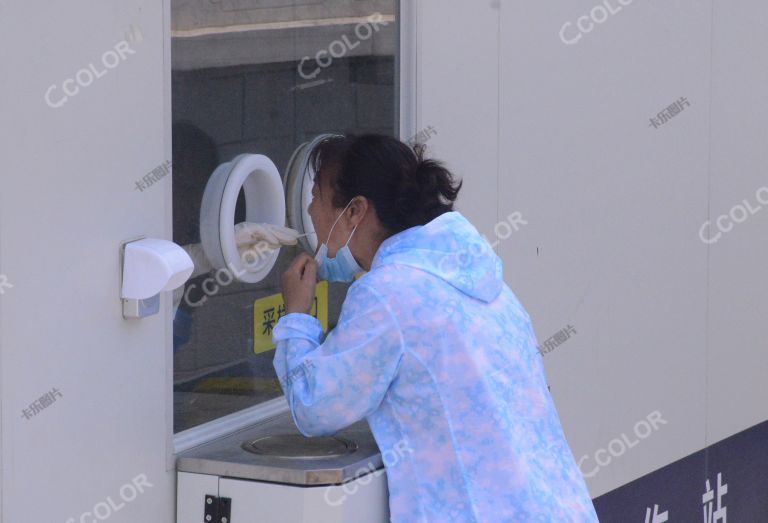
x: 613, y: 207
x: 68, y: 200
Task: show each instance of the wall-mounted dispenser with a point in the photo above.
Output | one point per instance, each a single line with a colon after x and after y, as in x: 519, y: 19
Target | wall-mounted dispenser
x: 151, y: 266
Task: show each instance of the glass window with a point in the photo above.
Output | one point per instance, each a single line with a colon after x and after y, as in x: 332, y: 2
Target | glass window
x: 264, y: 77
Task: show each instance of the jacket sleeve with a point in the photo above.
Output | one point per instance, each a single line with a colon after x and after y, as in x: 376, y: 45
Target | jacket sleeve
x: 331, y: 384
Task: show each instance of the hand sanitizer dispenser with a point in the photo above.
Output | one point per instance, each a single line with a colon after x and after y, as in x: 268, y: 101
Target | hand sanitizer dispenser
x: 151, y: 266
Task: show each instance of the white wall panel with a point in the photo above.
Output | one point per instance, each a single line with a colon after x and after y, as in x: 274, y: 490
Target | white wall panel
x: 737, y: 360
x: 67, y: 201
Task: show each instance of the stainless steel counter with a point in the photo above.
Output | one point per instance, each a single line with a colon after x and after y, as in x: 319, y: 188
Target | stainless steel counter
x: 281, y: 454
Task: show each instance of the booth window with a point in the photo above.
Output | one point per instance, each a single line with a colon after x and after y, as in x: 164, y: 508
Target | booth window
x: 259, y: 77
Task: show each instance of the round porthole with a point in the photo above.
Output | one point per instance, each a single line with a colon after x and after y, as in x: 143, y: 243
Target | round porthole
x: 260, y: 181
x: 299, y: 180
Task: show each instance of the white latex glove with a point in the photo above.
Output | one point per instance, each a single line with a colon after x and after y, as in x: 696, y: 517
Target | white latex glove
x: 267, y: 236
x: 247, y: 233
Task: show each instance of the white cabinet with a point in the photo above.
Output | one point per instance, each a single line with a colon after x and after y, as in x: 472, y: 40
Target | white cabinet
x: 363, y: 500
x: 269, y: 473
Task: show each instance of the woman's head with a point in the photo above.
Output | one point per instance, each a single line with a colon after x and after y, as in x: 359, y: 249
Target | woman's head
x: 391, y: 187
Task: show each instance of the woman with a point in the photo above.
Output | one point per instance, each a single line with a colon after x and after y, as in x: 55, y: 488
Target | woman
x: 431, y: 346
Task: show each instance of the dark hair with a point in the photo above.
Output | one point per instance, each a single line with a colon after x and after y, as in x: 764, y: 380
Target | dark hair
x: 406, y: 189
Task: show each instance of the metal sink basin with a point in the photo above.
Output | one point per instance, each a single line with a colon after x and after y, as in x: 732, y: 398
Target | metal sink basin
x: 274, y: 450
x: 299, y: 446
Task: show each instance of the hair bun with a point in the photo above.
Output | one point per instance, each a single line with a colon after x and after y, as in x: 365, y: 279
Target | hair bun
x: 428, y: 190
x: 422, y: 169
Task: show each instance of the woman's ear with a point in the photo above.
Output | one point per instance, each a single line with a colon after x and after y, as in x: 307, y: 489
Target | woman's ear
x: 358, y: 209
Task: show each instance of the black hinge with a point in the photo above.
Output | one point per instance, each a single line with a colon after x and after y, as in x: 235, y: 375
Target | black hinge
x: 217, y: 510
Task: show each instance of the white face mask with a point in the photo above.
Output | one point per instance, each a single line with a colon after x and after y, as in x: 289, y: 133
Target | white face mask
x: 341, y: 268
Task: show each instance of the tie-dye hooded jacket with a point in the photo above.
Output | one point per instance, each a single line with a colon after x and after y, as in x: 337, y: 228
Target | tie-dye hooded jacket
x: 437, y: 353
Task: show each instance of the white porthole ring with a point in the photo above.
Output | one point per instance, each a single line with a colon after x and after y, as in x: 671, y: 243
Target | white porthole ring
x: 298, y: 191
x: 260, y: 181
x: 299, y: 180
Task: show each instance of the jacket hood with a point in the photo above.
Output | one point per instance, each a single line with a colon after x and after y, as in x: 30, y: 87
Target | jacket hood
x: 450, y: 248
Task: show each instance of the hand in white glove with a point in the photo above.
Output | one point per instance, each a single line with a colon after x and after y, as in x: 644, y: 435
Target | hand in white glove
x: 262, y: 238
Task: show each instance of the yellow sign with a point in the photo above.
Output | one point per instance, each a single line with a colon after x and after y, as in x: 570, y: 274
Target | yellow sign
x: 267, y: 310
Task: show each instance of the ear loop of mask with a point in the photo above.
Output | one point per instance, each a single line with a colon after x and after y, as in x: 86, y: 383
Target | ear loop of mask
x: 334, y: 225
